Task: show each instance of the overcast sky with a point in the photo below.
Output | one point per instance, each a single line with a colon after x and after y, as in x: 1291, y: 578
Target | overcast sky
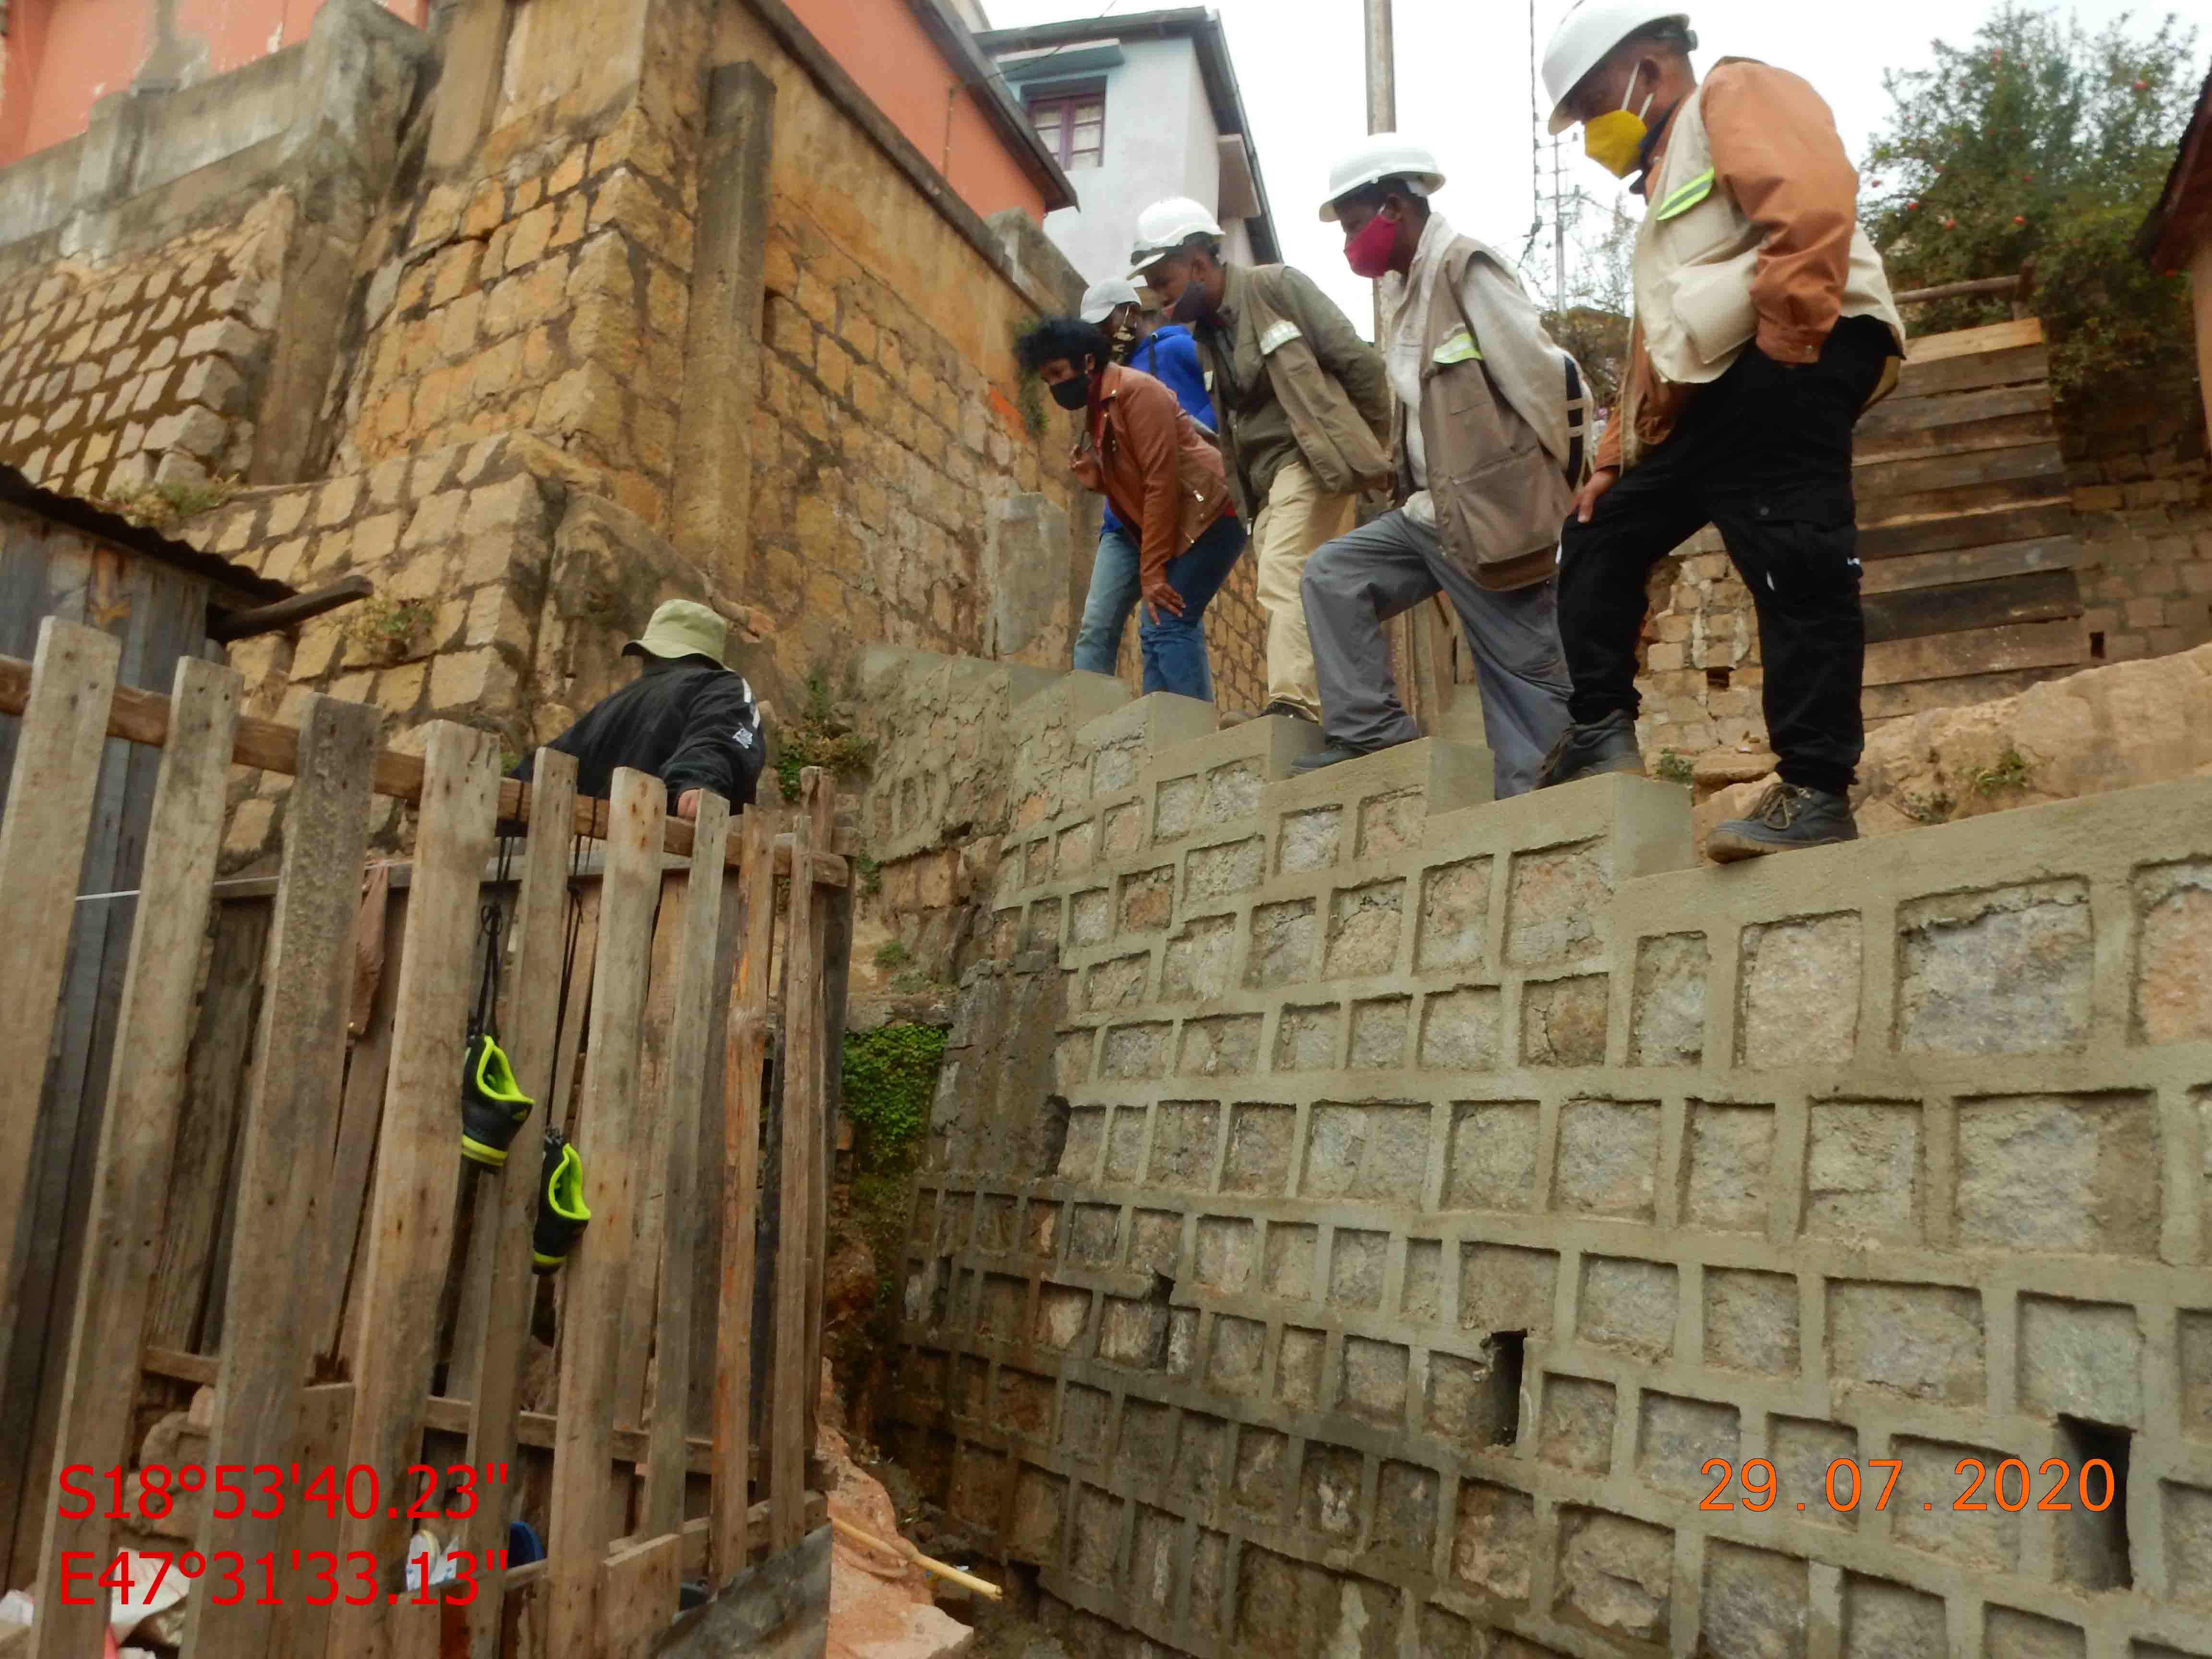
x: 1463, y: 89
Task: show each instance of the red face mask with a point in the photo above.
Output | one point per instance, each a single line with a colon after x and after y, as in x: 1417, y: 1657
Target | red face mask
x: 1368, y: 250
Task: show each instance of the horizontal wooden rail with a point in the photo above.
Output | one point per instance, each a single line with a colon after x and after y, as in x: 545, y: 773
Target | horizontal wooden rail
x: 138, y: 716
x: 1960, y: 290
x: 445, y: 1412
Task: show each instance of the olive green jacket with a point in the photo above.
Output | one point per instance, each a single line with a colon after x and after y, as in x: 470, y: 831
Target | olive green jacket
x: 1291, y: 381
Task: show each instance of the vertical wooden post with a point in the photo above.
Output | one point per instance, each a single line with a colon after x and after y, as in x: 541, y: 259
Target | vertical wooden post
x: 284, y: 1165
x: 410, y: 1229
x: 822, y: 813
x: 747, y: 1049
x: 791, y: 1385
x: 138, y: 1134
x: 685, y: 1065
x: 42, y: 839
x: 504, y: 1223
x: 598, y: 1266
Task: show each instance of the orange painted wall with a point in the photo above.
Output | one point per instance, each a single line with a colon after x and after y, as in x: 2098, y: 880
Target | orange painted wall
x: 882, y: 44
x: 63, y: 55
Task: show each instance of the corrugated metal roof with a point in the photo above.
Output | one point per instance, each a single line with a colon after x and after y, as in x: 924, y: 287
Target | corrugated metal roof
x: 234, y: 586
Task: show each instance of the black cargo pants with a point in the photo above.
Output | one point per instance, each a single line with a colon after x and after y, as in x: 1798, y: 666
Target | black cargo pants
x: 1763, y: 454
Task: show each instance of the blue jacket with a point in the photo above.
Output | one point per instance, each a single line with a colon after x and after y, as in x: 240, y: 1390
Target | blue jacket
x: 1169, y: 355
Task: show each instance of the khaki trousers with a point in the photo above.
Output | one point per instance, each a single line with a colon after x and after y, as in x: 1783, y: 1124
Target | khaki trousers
x: 1297, y: 518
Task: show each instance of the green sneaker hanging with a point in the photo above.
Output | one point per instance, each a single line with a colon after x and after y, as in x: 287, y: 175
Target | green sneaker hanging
x: 562, y: 1212
x: 494, y: 1108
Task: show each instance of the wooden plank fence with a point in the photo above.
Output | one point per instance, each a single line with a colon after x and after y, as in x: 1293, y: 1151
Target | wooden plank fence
x: 287, y: 1267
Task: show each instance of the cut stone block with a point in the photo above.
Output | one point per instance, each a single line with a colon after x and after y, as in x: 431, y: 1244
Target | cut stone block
x: 1460, y: 1030
x: 1627, y: 1304
x: 1085, y: 1422
x: 2173, y: 1000
x: 1183, y: 1142
x: 1390, y: 823
x: 1802, y: 1452
x: 1755, y: 1603
x: 1492, y: 1155
x: 2010, y: 1633
x: 1200, y: 963
x: 1751, y: 1321
x: 1308, y: 841
x: 1298, y: 1364
x: 1125, y: 1145
x: 1471, y: 1402
x: 1239, y: 1350
x: 2003, y: 971
x: 1364, y: 925
x: 1562, y: 1021
x: 1226, y: 1248
x: 1355, y: 1268
x: 1863, y: 1180
x: 1378, y: 1034
x: 1609, y: 1158
x: 1578, y: 1423
x: 1148, y: 900
x: 1494, y: 1546
x: 1503, y: 1287
x: 1283, y: 940
x: 1306, y: 1038
x: 2083, y: 1358
x: 1226, y: 1045
x: 2074, y: 1173
x: 1615, y: 1575
x: 1425, y: 1291
x: 1556, y: 912
x: 1377, y: 1151
x: 1928, y: 1484
x: 1329, y: 1492
x: 1291, y: 1247
x: 1403, y: 1535
x: 1260, y: 1139
x: 1923, y: 1341
x: 1667, y: 1025
x: 1675, y: 1437
x: 1883, y: 1620
x: 1374, y: 1377
x: 1799, y: 1003
x: 1455, y: 921
x: 1728, y: 1156
x: 1215, y: 873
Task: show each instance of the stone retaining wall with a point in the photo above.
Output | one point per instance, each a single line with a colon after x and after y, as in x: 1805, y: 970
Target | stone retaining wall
x: 1356, y: 1213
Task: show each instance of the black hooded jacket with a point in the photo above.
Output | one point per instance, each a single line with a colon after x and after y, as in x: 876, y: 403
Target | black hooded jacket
x: 689, y: 720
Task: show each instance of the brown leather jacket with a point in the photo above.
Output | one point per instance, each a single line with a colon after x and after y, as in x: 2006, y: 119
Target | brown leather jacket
x: 1149, y: 458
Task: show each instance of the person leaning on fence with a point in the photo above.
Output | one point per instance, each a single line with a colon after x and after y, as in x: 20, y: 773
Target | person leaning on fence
x: 1164, y: 351
x: 1489, y: 454
x: 1764, y: 325
x: 686, y: 718
x: 1137, y: 448
x: 1301, y: 402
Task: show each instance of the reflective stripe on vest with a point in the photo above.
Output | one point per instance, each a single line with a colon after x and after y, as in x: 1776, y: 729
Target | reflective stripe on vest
x: 1685, y: 197
x: 1460, y: 348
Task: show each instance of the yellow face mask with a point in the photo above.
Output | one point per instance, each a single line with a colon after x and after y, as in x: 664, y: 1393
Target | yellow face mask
x: 1615, y: 140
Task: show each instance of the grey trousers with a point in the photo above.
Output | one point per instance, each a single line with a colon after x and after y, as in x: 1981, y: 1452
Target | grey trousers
x: 1356, y: 583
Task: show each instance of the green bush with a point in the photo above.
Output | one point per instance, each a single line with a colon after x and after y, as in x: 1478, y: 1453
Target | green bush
x: 890, y: 1078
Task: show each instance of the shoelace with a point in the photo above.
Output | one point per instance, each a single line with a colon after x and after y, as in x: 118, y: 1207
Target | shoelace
x: 1778, y: 807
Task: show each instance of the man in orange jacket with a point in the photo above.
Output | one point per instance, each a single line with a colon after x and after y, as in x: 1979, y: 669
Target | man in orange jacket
x: 1139, y: 449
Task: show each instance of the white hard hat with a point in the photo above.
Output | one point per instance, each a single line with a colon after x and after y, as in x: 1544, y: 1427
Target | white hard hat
x: 1381, y: 155
x: 1166, y: 225
x: 1586, y: 34
x: 1102, y: 296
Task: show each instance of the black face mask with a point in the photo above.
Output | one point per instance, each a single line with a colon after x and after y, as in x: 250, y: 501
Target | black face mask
x: 1073, y: 394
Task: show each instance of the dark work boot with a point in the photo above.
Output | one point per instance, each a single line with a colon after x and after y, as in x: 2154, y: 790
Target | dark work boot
x: 1329, y: 754
x: 1591, y: 749
x: 1290, y: 708
x: 1787, y: 816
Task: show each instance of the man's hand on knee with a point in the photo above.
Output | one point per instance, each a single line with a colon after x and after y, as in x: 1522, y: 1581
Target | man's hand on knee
x: 1587, y: 499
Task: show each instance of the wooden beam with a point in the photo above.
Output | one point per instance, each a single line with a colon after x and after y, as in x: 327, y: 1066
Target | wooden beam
x: 2039, y: 462
x: 507, y: 1206
x: 1970, y: 564
x: 138, y: 1136
x: 138, y: 716
x: 792, y: 1382
x: 1941, y: 531
x: 1915, y: 613
x: 2008, y: 336
x: 1925, y: 377
x: 1913, y: 296
x: 291, y: 1117
x: 408, y: 1248
x: 233, y: 625
x: 1949, y: 656
x: 42, y: 842
x: 599, y: 1267
x: 746, y: 1048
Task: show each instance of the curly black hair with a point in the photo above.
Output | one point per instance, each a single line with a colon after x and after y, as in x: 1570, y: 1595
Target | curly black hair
x: 1063, y: 340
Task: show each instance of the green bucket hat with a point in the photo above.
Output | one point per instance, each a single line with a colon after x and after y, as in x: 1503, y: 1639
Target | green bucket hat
x: 683, y: 628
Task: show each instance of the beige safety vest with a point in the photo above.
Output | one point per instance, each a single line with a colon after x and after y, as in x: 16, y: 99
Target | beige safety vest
x: 1499, y: 496
x: 1694, y: 258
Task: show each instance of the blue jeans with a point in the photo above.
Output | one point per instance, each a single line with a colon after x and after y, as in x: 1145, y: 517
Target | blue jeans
x: 1175, y: 647
x: 1114, y: 590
